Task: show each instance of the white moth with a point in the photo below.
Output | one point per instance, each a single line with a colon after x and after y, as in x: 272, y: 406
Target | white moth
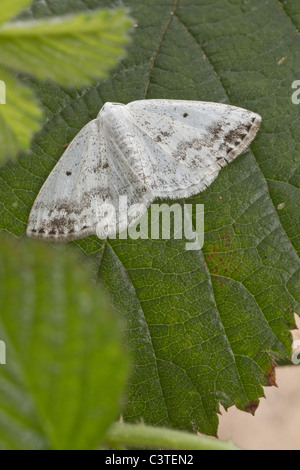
x: 143, y: 150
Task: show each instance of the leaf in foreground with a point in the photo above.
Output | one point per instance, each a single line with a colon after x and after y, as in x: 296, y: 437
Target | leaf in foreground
x: 10, y: 8
x: 19, y: 117
x: 65, y: 367
x: 71, y: 50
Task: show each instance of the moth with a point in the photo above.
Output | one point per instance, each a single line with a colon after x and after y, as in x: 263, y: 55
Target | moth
x: 144, y: 150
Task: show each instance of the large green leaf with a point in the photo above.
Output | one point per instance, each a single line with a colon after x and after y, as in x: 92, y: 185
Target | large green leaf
x: 205, y: 327
x: 65, y: 367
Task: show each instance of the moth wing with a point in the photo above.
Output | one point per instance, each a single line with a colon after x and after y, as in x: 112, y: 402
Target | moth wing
x: 188, y: 142
x: 89, y: 177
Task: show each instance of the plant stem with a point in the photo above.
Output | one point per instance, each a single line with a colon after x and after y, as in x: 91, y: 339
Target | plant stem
x: 141, y: 435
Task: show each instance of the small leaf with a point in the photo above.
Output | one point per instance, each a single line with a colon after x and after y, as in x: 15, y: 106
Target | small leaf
x: 19, y: 117
x: 72, y: 50
x: 10, y: 8
x: 65, y: 367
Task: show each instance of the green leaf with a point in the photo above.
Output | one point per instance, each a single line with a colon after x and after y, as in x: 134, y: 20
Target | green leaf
x: 65, y: 367
x: 19, y: 117
x: 10, y: 8
x: 204, y: 327
x: 71, y: 50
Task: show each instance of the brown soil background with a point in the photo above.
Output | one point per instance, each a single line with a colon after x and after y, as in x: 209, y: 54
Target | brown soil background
x: 276, y: 424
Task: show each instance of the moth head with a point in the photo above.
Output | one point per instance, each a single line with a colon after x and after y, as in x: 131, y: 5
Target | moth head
x: 109, y: 107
